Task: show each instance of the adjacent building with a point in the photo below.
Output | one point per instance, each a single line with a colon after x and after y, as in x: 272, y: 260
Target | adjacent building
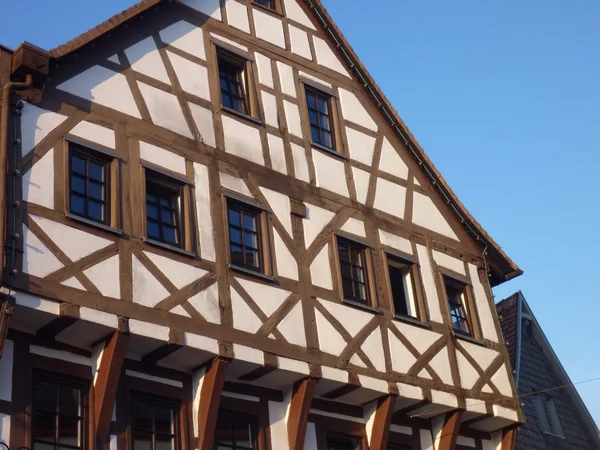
x: 220, y: 235
x: 556, y: 417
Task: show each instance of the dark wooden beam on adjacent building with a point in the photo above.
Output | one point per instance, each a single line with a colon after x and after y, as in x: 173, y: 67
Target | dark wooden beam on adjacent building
x: 509, y: 439
x: 210, y: 398
x: 7, y: 309
x: 382, y: 422
x: 450, y: 430
x: 299, y: 411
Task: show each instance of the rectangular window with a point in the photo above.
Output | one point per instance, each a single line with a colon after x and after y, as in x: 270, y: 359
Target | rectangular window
x: 88, y: 185
x: 59, y: 413
x: 548, y: 414
x: 320, y: 115
x: 164, y: 210
x: 235, y: 432
x: 404, y: 285
x: 236, y: 81
x: 267, y: 4
x: 342, y: 443
x: 246, y: 240
x: 461, y: 315
x: 153, y: 424
x: 353, y: 269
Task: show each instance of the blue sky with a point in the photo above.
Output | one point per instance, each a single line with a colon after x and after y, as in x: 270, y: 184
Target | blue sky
x: 504, y: 95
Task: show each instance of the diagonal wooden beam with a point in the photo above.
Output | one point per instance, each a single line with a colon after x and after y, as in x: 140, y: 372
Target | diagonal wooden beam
x: 450, y: 430
x: 107, y: 382
x: 7, y: 309
x: 210, y: 397
x: 509, y: 439
x: 299, y: 410
x: 382, y: 422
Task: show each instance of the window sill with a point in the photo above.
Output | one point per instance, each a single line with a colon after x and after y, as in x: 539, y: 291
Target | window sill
x: 253, y: 273
x: 242, y: 115
x: 469, y: 338
x: 331, y: 151
x: 358, y: 305
x: 101, y: 226
x: 170, y: 248
x: 412, y: 321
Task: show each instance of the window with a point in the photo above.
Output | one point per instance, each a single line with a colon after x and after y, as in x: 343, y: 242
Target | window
x: 342, y: 443
x: 320, y: 116
x: 235, y: 432
x: 88, y: 185
x: 548, y: 414
x: 59, y: 413
x: 404, y: 285
x: 163, y: 210
x: 354, y: 271
x: 267, y: 4
x: 154, y: 424
x: 459, y: 304
x: 236, y: 79
x: 246, y: 241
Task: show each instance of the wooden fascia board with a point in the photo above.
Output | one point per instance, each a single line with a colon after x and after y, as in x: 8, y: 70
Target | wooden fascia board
x: 382, y: 422
x: 107, y: 382
x: 450, y: 430
x: 210, y: 398
x: 299, y: 411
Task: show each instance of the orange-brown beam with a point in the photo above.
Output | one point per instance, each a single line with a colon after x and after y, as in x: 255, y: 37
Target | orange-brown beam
x: 382, y: 422
x: 107, y: 382
x: 450, y: 430
x: 6, y: 311
x: 210, y: 398
x: 509, y: 439
x: 299, y: 410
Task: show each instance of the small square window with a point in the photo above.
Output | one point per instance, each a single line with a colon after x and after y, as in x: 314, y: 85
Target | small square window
x: 404, y: 285
x: 270, y: 4
x: 236, y: 81
x: 163, y: 210
x: 342, y: 443
x: 89, y: 184
x: 320, y: 116
x: 354, y: 271
x: 461, y: 314
x: 246, y: 240
x: 153, y: 423
x: 235, y: 431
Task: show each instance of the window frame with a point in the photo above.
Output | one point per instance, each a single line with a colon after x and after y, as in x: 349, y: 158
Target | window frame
x: 546, y: 407
x: 247, y: 69
x: 416, y: 293
x: 275, y: 9
x: 155, y: 400
x: 254, y: 426
x: 334, y: 118
x: 467, y: 302
x: 263, y: 232
x: 366, y: 249
x: 257, y: 410
x: 185, y: 213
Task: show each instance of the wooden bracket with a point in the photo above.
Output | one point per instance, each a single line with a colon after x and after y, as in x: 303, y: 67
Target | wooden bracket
x: 450, y: 430
x: 210, y: 397
x: 509, y: 439
x: 382, y: 422
x: 107, y: 382
x: 7, y: 309
x: 299, y: 411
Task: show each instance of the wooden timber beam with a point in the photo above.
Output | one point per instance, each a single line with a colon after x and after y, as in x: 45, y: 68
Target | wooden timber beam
x: 210, y: 398
x: 509, y: 439
x: 450, y: 430
x: 107, y: 382
x: 382, y: 422
x: 7, y: 309
x: 299, y: 411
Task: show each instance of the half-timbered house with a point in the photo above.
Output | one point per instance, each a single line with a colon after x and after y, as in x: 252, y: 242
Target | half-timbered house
x: 220, y: 235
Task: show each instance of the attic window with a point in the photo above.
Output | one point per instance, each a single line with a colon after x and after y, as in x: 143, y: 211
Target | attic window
x: 236, y: 81
x: 269, y: 4
x: 460, y: 305
x: 548, y: 415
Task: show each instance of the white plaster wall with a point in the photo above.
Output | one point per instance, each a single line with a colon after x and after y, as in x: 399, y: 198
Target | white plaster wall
x: 433, y: 302
x: 38, y: 260
x: 468, y: 374
x: 297, y: 14
x: 203, y: 212
x: 204, y: 122
x: 165, y: 109
x: 402, y: 359
x: 75, y: 244
x: 484, y: 356
x: 369, y: 411
x: 316, y: 220
x: 106, y: 277
x: 361, y: 146
x: 36, y: 124
x: 486, y: 318
x: 5, y: 428
x: 268, y: 298
x: 178, y: 273
x: 286, y: 78
x: 38, y: 182
x: 113, y: 445
x: 237, y: 15
x: 147, y: 290
x: 148, y: 329
x: 197, y: 380
x: 74, y: 283
x: 144, y: 58
x: 6, y: 371
x: 192, y: 77
x: 465, y: 441
x: 426, y: 440
x: 373, y: 347
x: 269, y: 28
x: 242, y: 140
x: 354, y: 111
x: 327, y: 58
x: 310, y: 439
x: 94, y: 133
x: 449, y: 262
x: 234, y: 184
x: 420, y: 338
x: 185, y: 36
x: 265, y: 72
x: 315, y: 79
x: 292, y: 326
x: 62, y: 355
x: 300, y: 161
x: 330, y: 173
x: 426, y: 214
x: 207, y: 304
x: 440, y: 363
x: 356, y: 227
x: 104, y: 87
x: 361, y: 184
x: 277, y: 152
x: 292, y: 115
x: 243, y: 317
x: 391, y: 162
x: 502, y: 381
x: 229, y: 42
x: 280, y: 206
x: 278, y: 424
x: 299, y: 41
x: 397, y: 242
x: 330, y: 340
x: 211, y: 8
x: 163, y: 158
x: 401, y: 429
x: 320, y: 270
x: 352, y: 319
x: 270, y: 109
x: 495, y: 443
x: 390, y: 198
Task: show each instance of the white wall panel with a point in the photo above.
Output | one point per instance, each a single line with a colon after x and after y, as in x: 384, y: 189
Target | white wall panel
x: 390, y: 198
x: 243, y: 140
x: 427, y: 215
x: 165, y: 109
x: 144, y: 58
x: 331, y: 173
x: 269, y: 28
x: 163, y: 158
x: 354, y: 111
x: 277, y: 152
x: 185, y: 36
x: 203, y: 212
x: 36, y: 124
x: 299, y: 41
x: 300, y: 163
x: 106, y: 270
x: 391, y: 162
x: 192, y: 77
x: 286, y: 78
x: 94, y: 133
x: 237, y: 15
x: 38, y: 182
x: 211, y: 8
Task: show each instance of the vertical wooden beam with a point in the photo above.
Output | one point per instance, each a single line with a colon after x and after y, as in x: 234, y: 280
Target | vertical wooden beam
x: 509, y: 439
x: 299, y: 410
x: 107, y: 382
x: 210, y: 397
x: 450, y: 430
x: 382, y: 422
x: 7, y: 309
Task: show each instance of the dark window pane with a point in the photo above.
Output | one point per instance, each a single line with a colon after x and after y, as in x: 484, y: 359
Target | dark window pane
x: 43, y: 446
x: 96, y: 190
x: 224, y: 430
x: 96, y: 210
x: 252, y: 258
x: 162, y: 212
x: 69, y: 401
x: 249, y: 222
x: 235, y: 217
x: 311, y: 100
x: 96, y: 171
x: 44, y: 426
x: 87, y: 178
x: 68, y: 431
x: 153, y: 230
x: 142, y: 416
x: 163, y: 420
x: 164, y: 443
x: 78, y: 184
x: 243, y: 433
x: 167, y: 216
x: 152, y: 211
x: 170, y: 235
x: 151, y: 197
x: 315, y: 134
x: 251, y: 240
x: 235, y: 235
x: 78, y: 164
x: 244, y: 238
x: 142, y: 440
x: 46, y: 396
